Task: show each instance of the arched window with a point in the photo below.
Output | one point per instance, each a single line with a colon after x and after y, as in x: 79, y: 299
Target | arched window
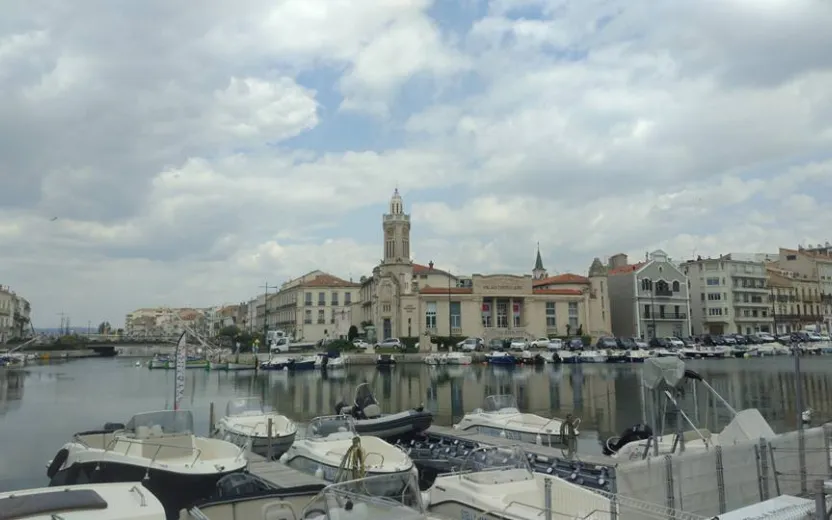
x: 676, y: 286
x: 661, y: 286
x: 646, y: 284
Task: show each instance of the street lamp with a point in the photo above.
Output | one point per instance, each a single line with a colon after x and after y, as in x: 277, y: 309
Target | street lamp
x: 450, y: 326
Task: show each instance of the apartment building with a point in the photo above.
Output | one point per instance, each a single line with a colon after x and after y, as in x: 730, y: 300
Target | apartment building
x: 648, y: 299
x: 312, y: 307
x: 15, y: 314
x: 809, y: 271
x: 729, y: 294
x: 164, y: 321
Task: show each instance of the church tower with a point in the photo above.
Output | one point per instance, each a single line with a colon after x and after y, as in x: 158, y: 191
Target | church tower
x: 396, y: 225
x: 539, y: 272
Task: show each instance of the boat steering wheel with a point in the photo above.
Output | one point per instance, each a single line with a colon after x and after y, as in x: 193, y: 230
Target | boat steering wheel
x: 610, y: 441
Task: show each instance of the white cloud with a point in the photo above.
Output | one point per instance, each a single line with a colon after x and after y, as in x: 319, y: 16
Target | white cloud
x: 191, y: 155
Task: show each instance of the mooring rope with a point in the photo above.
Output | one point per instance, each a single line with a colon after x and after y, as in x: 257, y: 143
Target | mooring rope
x: 352, y: 465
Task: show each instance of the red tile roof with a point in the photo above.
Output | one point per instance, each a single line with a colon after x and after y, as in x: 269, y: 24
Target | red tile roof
x: 446, y: 290
x: 425, y: 269
x: 562, y: 292
x: 562, y: 279
x: 627, y: 268
x: 327, y: 280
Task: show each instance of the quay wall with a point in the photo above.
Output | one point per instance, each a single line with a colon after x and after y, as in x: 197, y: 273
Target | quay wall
x: 709, y: 483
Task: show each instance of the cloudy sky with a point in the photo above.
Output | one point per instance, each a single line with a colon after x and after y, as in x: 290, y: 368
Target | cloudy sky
x: 193, y: 151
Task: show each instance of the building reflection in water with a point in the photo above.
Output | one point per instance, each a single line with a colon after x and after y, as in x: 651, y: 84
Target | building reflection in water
x: 606, y: 397
x: 11, y: 389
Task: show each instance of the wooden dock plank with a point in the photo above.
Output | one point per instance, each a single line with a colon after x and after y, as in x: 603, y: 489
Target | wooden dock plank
x: 281, y: 475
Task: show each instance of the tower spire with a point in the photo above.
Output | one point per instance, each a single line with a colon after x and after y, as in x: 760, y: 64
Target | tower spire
x: 539, y: 271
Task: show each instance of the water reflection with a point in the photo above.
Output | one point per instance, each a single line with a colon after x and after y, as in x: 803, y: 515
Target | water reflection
x: 62, y: 399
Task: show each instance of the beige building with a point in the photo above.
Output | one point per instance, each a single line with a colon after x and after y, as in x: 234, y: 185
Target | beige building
x: 648, y: 299
x: 15, y: 315
x: 810, y: 269
x: 312, y: 307
x: 164, y: 322
x: 405, y: 299
x: 729, y: 294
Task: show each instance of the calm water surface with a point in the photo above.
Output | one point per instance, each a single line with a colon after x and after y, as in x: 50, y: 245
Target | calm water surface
x: 42, y: 406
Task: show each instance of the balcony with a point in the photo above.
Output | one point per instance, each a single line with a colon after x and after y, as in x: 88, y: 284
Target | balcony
x: 308, y: 303
x: 664, y: 293
x: 752, y: 318
x: 666, y: 316
x: 321, y: 303
x: 804, y: 318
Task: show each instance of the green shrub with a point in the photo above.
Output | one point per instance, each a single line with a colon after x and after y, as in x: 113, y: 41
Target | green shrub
x: 341, y: 345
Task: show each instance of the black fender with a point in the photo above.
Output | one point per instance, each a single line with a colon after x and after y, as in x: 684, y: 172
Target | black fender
x: 57, y: 462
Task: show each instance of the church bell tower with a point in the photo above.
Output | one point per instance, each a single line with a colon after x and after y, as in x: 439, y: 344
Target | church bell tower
x: 396, y: 226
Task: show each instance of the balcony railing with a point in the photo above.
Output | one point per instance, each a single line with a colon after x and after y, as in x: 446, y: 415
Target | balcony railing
x: 663, y: 292
x: 805, y: 318
x: 308, y: 303
x: 321, y: 303
x: 667, y: 316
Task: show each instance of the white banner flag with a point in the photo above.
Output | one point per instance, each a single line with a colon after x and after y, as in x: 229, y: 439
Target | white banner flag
x: 179, y: 375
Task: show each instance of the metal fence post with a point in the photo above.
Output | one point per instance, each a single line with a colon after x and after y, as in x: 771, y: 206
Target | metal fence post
x: 820, y: 502
x: 670, y: 497
x: 614, y: 514
x: 547, y: 497
x: 763, y: 447
x: 827, y: 432
x: 720, y: 479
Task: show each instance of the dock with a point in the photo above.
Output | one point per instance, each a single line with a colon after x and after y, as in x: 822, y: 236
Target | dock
x: 280, y: 475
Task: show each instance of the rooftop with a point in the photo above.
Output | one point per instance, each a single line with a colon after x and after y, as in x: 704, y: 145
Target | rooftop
x: 562, y: 279
x: 629, y: 268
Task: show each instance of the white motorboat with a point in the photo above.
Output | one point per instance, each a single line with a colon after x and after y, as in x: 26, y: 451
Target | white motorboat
x: 498, y: 484
x: 119, y: 501
x: 330, y: 361
x: 247, y: 422
x: 592, y: 356
x: 435, y: 359
x: 668, y: 377
x: 638, y: 355
x: 500, y: 417
x: 332, y: 450
x: 458, y: 358
x: 156, y: 448
x: 351, y: 500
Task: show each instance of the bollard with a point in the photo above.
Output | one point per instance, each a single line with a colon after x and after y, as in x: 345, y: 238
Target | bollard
x: 547, y: 497
x: 269, y: 439
x: 211, y: 419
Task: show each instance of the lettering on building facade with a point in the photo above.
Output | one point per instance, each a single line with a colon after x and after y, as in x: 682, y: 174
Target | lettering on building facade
x: 508, y: 285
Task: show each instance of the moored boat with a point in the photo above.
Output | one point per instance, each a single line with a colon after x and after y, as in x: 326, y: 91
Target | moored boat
x: 368, y: 419
x: 246, y: 423
x: 113, y: 501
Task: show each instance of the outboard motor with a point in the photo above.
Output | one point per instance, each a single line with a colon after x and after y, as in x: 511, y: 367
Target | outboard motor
x: 637, y: 432
x: 342, y: 408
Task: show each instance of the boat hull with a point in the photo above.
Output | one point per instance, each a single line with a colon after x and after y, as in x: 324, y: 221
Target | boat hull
x: 328, y: 471
x: 239, y: 366
x: 259, y: 445
x: 394, y: 426
x: 295, y: 366
x: 544, y: 439
x: 174, y: 490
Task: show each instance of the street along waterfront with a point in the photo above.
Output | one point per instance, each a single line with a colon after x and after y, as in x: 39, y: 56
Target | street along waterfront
x: 41, y: 406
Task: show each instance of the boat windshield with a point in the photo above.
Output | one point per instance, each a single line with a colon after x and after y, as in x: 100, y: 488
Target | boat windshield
x: 331, y: 427
x: 244, y: 406
x: 494, y: 458
x: 496, y: 403
x: 170, y: 421
x: 393, y: 495
x: 364, y: 396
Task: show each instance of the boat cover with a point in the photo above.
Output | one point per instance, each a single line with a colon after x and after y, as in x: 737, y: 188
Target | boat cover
x: 50, y: 503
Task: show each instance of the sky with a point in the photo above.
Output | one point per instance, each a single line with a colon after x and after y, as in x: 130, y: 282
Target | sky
x: 193, y: 152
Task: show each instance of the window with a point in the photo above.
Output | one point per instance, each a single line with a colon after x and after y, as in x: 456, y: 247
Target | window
x: 486, y: 314
x: 515, y: 312
x: 646, y: 284
x: 714, y: 296
x: 386, y: 308
x: 551, y: 317
x: 661, y: 311
x: 334, y: 298
x: 502, y: 315
x: 308, y: 317
x: 332, y: 319
x: 456, y: 315
x: 347, y: 298
x: 715, y: 312
x: 321, y: 318
x: 573, y: 315
x: 676, y: 312
x: 308, y: 298
x: 712, y: 281
x: 321, y: 299
x: 389, y: 248
x: 676, y: 287
x: 646, y: 311
x: 430, y: 316
x: 406, y: 248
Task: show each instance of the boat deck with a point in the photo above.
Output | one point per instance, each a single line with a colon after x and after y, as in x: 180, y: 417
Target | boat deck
x: 445, y: 449
x: 279, y: 474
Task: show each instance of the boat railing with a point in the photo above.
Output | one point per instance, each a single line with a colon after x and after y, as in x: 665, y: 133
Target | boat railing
x: 144, y: 442
x: 142, y: 499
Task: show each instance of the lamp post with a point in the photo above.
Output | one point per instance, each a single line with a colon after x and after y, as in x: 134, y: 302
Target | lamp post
x: 450, y: 325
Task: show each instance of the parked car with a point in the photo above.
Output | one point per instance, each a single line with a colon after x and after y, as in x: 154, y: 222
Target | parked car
x: 518, y: 344
x: 360, y: 343
x: 675, y: 342
x: 729, y: 340
x: 689, y: 342
x: 626, y: 343
x: 659, y: 343
x: 606, y: 342
x: 496, y: 344
x: 767, y: 338
x: 470, y: 344
x: 575, y: 344
x: 555, y: 344
x: 391, y: 343
x: 540, y: 343
x: 641, y: 343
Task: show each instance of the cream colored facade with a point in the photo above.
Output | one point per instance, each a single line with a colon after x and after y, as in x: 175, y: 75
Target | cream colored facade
x: 811, y: 271
x: 405, y: 299
x: 312, y: 307
x: 15, y: 315
x: 163, y: 321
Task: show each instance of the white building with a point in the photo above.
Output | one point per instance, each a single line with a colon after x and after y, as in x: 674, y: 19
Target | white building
x: 15, y: 315
x: 729, y: 294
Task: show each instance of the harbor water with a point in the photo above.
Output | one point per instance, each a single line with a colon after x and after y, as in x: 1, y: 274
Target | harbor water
x: 41, y: 406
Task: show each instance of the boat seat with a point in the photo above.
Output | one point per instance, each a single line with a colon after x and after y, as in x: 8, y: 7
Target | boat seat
x: 372, y: 411
x: 142, y: 432
x: 169, y: 447
x: 278, y: 510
